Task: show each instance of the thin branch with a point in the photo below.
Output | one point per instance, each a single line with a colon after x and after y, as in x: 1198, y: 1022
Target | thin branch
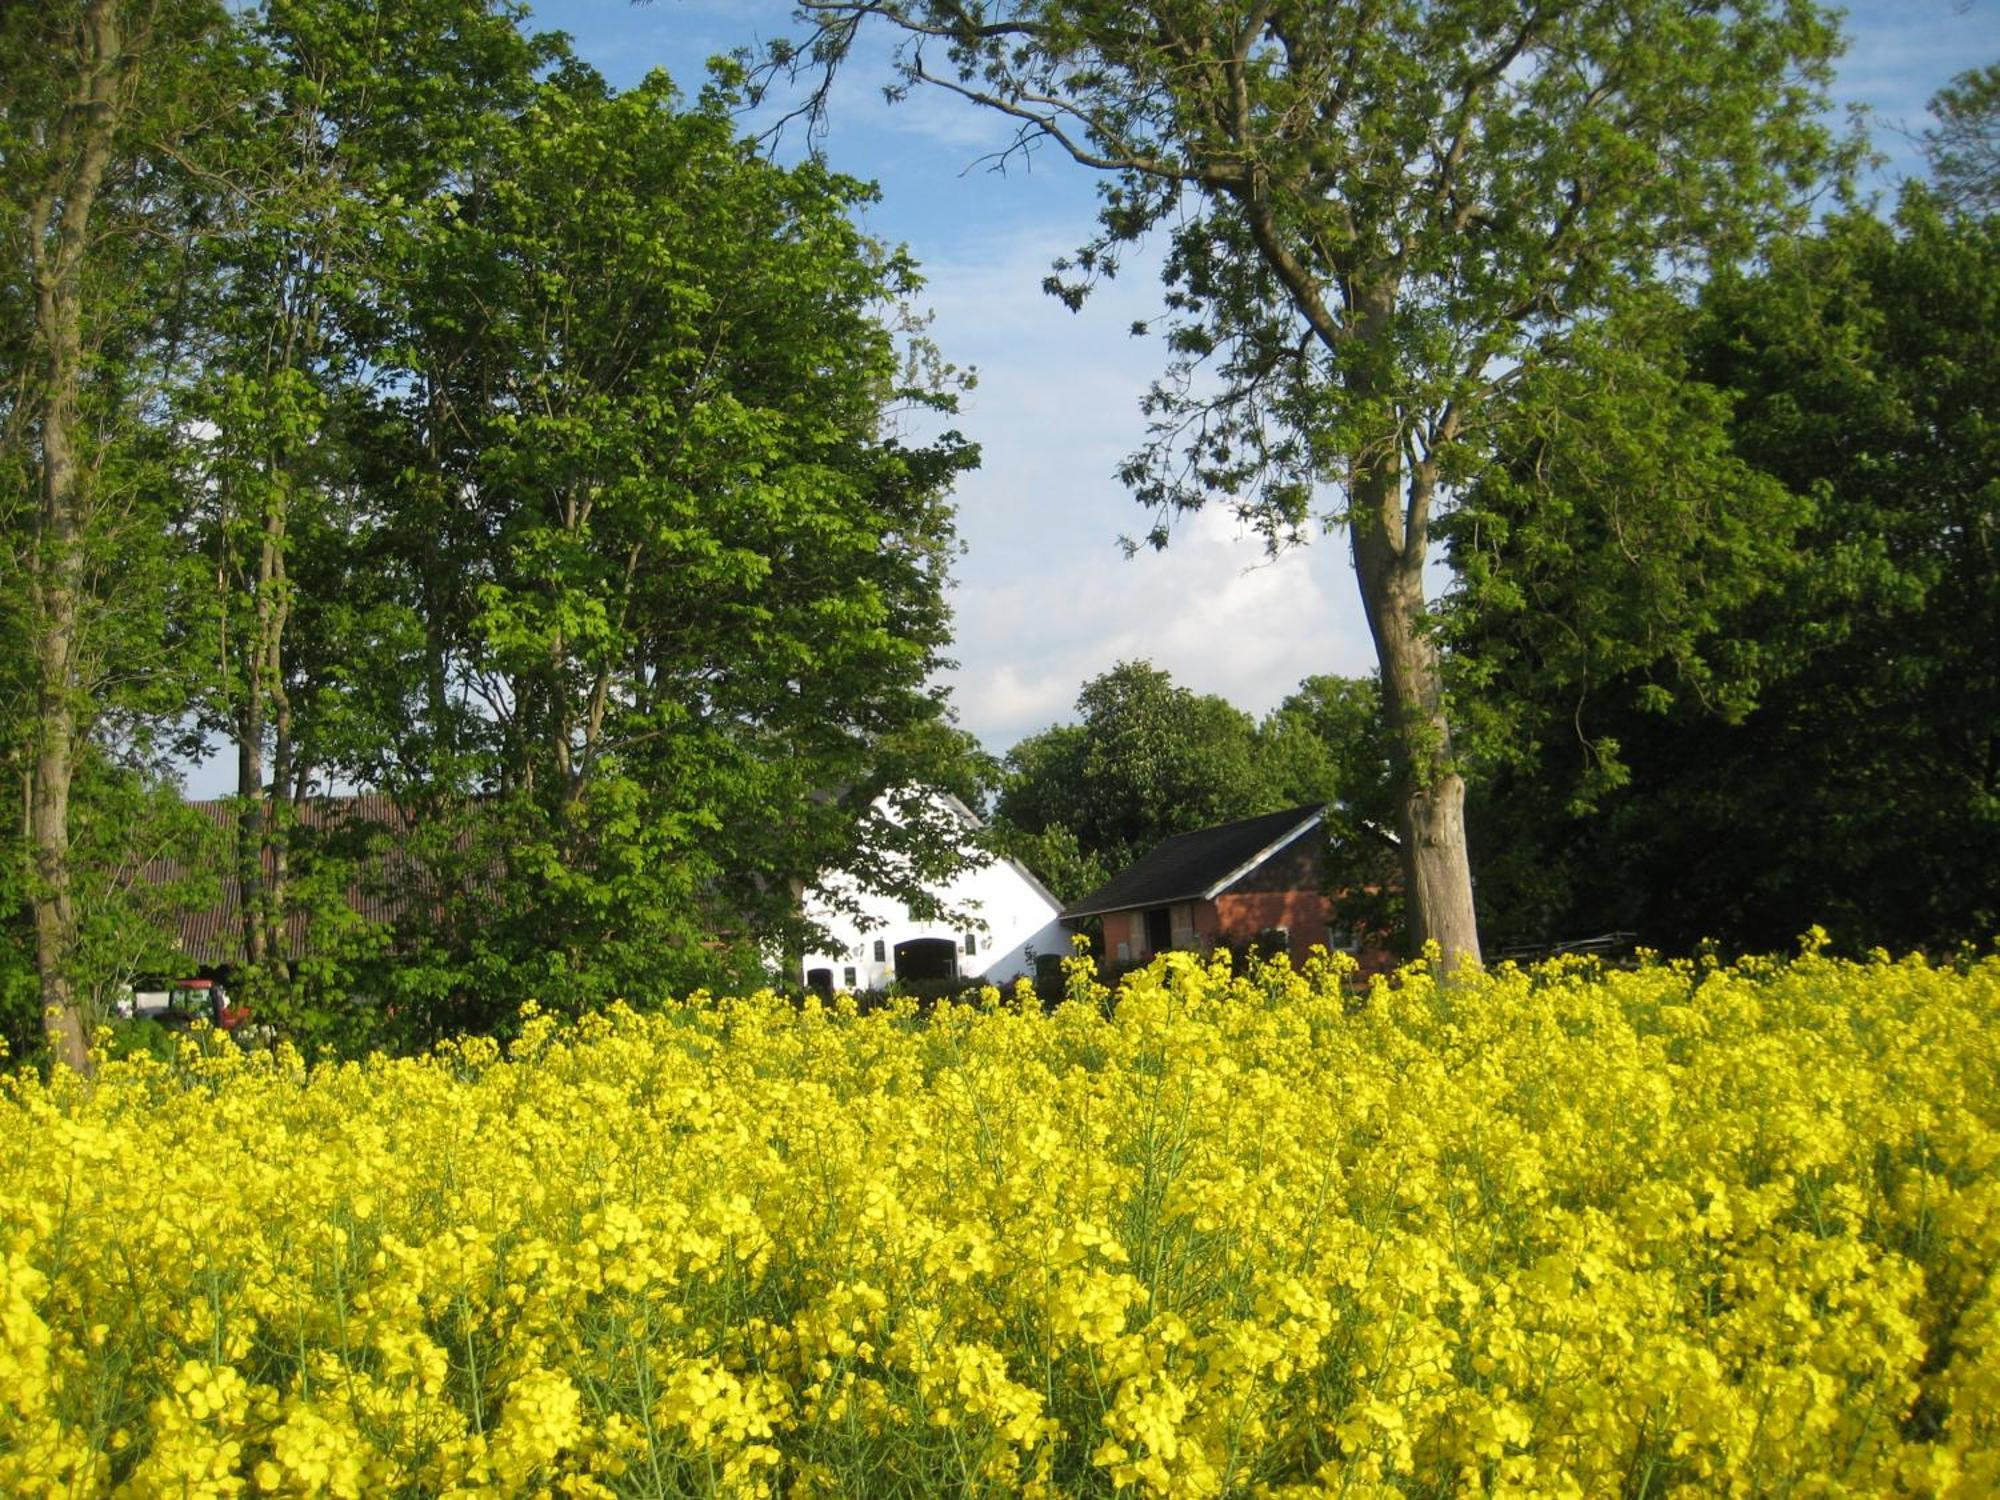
x: 1045, y: 124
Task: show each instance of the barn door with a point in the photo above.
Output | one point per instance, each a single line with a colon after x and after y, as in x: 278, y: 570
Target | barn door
x: 927, y: 958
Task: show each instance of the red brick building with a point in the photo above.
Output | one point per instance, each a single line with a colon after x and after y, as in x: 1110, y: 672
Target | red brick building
x: 1233, y: 884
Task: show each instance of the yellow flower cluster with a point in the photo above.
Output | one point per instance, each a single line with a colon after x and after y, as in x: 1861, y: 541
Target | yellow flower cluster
x: 1690, y: 1228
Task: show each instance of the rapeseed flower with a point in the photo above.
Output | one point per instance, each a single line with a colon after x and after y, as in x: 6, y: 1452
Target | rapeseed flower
x: 1689, y: 1228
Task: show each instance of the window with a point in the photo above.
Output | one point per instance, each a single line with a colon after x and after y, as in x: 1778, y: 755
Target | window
x: 881, y: 951
x: 972, y: 942
x: 847, y: 976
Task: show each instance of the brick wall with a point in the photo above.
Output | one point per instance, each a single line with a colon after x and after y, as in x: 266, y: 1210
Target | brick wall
x: 1244, y: 914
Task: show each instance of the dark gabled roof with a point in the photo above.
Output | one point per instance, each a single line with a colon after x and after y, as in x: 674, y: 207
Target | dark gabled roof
x: 1200, y: 865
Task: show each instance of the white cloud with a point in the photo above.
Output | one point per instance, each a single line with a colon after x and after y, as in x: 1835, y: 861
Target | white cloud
x: 1045, y: 599
x: 1008, y: 695
x: 1210, y: 610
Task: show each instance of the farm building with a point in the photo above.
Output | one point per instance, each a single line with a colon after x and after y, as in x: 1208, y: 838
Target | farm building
x: 1254, y: 881
x: 997, y: 919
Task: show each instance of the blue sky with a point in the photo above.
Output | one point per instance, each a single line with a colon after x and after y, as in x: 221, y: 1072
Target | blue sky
x: 1044, y: 598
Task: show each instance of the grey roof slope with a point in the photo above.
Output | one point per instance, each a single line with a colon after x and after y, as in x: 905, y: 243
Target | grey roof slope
x: 385, y: 886
x: 1199, y: 865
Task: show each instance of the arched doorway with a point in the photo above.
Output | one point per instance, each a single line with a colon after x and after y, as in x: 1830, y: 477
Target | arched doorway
x: 927, y: 958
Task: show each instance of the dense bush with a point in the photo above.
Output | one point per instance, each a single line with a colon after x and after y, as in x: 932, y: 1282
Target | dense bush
x: 1687, y: 1227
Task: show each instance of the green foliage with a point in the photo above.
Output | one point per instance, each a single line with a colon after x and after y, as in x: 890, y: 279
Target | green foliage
x: 142, y: 856
x: 1596, y: 566
x: 102, y: 186
x: 1964, y: 146
x: 529, y: 451
x: 664, y: 540
x: 1330, y: 742
x: 1055, y: 854
x: 359, y: 120
x: 1327, y: 742
x: 1856, y: 782
x: 1079, y: 802
x: 141, y: 1038
x: 1149, y: 760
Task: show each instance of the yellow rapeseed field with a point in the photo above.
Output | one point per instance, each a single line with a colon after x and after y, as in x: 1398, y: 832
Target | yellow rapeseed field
x: 1691, y: 1228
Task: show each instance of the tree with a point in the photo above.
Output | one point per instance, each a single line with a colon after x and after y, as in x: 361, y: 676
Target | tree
x: 1602, y: 552
x: 358, y: 114
x: 127, y: 829
x: 681, y: 588
x: 388, y: 396
x: 101, y: 98
x: 1964, y: 146
x: 1835, y: 760
x: 1380, y: 219
x: 1328, y: 742
x: 1149, y: 760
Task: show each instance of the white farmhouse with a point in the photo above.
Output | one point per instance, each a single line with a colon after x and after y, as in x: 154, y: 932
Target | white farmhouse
x: 999, y: 920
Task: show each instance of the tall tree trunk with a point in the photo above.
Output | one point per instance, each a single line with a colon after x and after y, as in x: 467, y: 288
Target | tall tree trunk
x: 55, y: 918
x: 1389, y: 523
x: 1437, y: 873
x: 59, y: 241
x: 250, y: 809
x: 261, y: 863
x: 277, y: 824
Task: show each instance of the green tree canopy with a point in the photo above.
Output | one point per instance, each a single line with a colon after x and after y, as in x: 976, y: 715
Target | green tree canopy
x: 1854, y: 780
x: 682, y: 585
x: 393, y: 399
x: 1964, y: 145
x: 1150, y: 759
x: 356, y: 117
x: 104, y: 109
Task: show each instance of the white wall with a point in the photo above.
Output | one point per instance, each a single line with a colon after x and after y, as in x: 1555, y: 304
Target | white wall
x: 1011, y: 916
